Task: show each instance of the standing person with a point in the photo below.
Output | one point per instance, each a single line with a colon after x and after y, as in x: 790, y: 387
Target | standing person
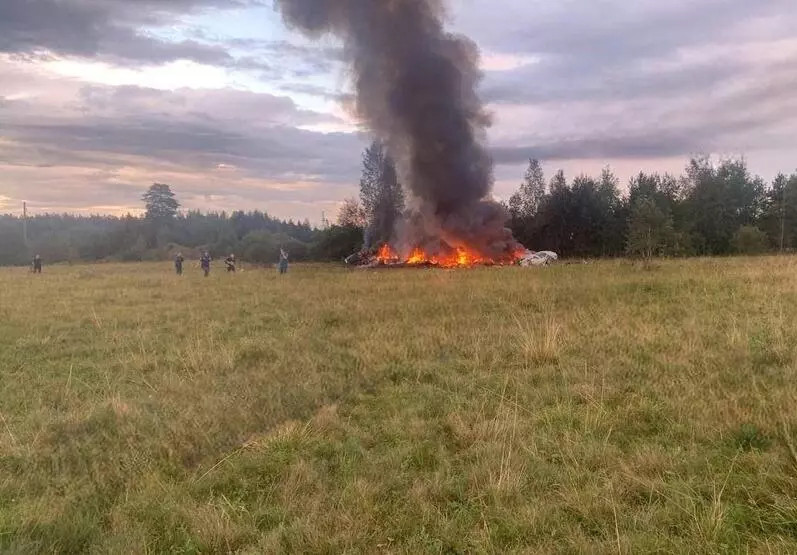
x: 178, y: 263
x: 37, y: 264
x: 230, y: 262
x: 283, y: 265
x: 204, y: 262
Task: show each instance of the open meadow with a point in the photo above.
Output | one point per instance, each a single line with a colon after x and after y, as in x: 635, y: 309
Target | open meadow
x: 605, y: 407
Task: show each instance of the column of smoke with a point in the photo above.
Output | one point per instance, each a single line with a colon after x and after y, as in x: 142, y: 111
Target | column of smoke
x: 415, y: 88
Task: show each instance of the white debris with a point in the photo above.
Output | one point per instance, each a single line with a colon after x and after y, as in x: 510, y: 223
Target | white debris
x: 539, y: 258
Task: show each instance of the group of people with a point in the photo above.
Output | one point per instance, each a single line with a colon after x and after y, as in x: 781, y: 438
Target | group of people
x: 229, y: 262
x: 204, y: 263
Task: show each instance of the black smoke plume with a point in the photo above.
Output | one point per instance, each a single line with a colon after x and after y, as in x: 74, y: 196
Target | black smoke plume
x: 415, y: 89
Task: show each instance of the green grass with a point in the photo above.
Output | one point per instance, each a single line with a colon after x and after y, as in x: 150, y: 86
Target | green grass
x: 606, y: 407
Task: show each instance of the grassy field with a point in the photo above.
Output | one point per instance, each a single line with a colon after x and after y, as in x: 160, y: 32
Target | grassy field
x: 605, y: 407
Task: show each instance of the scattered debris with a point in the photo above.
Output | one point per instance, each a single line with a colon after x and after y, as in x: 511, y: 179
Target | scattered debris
x: 387, y: 257
x: 539, y: 258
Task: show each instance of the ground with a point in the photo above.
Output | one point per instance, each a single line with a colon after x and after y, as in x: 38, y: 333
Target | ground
x: 602, y: 407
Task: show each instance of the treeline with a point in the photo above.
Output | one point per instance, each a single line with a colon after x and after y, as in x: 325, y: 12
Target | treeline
x: 254, y: 236
x: 712, y: 209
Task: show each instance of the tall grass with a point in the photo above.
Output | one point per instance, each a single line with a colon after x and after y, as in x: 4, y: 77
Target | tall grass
x: 576, y: 408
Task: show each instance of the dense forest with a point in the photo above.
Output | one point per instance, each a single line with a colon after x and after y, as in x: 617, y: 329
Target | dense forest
x: 253, y: 236
x: 712, y: 209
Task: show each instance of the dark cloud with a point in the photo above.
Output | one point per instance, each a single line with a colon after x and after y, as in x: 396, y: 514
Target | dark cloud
x: 279, y: 153
x: 577, y: 80
x: 220, y: 107
x: 106, y: 29
x: 96, y: 147
x: 614, y: 31
x: 717, y: 123
x: 550, y: 81
x: 618, y: 80
x: 259, y: 134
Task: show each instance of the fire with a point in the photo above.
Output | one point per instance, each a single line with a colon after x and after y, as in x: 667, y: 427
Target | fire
x: 461, y: 257
x: 387, y: 255
x: 417, y: 256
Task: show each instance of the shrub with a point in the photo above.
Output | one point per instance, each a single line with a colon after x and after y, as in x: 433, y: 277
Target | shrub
x: 749, y: 239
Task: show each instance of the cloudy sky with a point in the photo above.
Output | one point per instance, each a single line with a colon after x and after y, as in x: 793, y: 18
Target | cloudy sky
x: 100, y: 98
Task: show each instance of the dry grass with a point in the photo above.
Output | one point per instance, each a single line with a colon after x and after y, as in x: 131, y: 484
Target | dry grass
x: 579, y: 408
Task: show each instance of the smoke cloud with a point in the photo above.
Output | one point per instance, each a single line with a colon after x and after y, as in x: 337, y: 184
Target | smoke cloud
x: 415, y: 89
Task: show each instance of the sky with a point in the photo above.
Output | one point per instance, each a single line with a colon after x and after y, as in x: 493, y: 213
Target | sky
x: 101, y: 98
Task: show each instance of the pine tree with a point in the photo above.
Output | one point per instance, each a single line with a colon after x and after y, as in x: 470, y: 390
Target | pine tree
x: 160, y: 202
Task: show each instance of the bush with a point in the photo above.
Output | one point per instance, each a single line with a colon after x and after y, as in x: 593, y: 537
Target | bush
x: 338, y: 242
x: 259, y: 247
x: 263, y: 247
x: 749, y: 239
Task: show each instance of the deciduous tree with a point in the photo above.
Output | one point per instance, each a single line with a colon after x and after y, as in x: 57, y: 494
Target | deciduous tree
x: 380, y: 193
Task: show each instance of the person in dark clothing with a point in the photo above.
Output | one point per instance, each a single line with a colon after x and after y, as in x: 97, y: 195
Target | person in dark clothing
x: 230, y: 262
x: 205, y: 263
x: 283, y: 264
x: 178, y: 263
x: 37, y: 264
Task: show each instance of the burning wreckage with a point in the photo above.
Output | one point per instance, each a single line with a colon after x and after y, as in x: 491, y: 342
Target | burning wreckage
x: 461, y: 257
x: 415, y: 88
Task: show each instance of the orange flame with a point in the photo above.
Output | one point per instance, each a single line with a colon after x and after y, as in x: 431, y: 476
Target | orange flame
x: 462, y: 257
x: 387, y: 255
x: 417, y: 256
